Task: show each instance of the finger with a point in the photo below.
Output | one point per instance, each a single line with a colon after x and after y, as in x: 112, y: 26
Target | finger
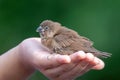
x: 71, y: 73
x: 100, y: 64
x: 66, y: 68
x: 51, y: 60
x: 56, y: 72
x: 89, y: 57
x: 76, y: 57
x: 89, y: 66
x: 81, y: 68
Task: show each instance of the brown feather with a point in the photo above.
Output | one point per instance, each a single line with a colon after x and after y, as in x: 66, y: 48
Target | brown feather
x: 62, y: 40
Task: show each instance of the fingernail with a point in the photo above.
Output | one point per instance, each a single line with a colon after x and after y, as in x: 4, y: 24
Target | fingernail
x: 81, y: 51
x: 81, y: 55
x: 96, y: 60
x: 64, y: 59
x: 90, y: 57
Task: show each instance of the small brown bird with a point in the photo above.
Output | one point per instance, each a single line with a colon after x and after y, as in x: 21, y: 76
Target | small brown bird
x: 62, y: 40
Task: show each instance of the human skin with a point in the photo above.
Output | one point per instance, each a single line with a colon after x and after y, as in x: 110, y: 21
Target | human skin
x: 30, y: 55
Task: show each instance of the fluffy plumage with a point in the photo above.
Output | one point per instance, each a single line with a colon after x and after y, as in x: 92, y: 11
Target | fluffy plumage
x: 62, y: 40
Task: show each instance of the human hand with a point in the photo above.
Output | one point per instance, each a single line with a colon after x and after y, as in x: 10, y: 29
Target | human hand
x: 55, y: 66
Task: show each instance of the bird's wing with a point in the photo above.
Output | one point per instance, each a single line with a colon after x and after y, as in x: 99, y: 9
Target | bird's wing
x: 86, y: 42
x: 72, y: 41
x: 65, y: 39
x: 64, y: 43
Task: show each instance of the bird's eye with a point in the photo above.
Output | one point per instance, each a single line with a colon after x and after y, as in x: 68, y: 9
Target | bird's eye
x: 46, y: 27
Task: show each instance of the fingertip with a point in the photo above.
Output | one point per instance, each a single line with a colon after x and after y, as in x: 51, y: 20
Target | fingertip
x: 78, y: 56
x: 89, y: 57
x: 81, y: 54
x: 64, y: 59
x: 99, y: 64
x: 96, y: 61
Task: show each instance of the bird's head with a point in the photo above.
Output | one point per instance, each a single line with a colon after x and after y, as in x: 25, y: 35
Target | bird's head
x: 48, y: 29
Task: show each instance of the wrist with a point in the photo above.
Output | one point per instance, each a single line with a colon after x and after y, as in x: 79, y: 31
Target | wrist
x: 24, y: 61
x: 12, y: 67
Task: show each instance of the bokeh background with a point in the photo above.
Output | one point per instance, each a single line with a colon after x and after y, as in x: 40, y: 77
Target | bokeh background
x: 98, y: 20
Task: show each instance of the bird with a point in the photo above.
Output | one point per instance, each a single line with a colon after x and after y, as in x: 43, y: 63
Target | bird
x: 62, y: 40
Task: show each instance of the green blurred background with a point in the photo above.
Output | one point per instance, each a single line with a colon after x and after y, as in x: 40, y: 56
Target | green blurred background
x: 98, y: 20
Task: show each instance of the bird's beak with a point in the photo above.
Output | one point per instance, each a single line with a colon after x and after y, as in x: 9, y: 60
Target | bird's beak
x: 39, y: 29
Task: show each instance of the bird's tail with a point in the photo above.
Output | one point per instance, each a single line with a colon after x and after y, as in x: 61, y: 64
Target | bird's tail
x: 105, y: 55
x: 101, y: 54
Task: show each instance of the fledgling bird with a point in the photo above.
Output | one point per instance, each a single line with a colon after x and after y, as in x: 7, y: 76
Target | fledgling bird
x: 62, y: 40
